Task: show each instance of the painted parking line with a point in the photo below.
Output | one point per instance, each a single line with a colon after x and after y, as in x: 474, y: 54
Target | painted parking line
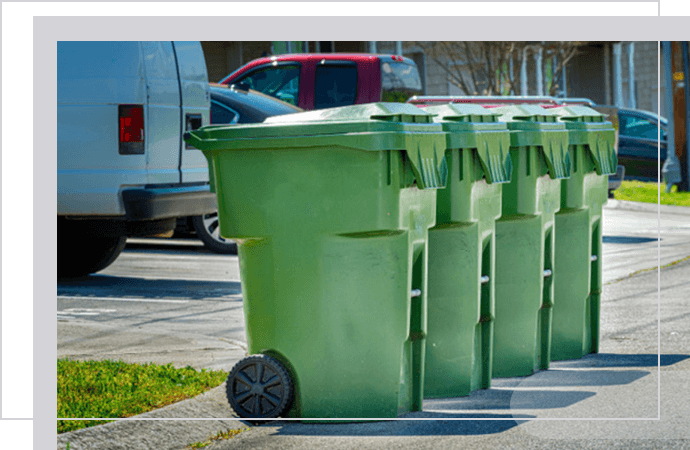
x: 120, y: 299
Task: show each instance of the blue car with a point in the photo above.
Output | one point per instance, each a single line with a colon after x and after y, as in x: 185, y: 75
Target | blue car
x: 641, y: 149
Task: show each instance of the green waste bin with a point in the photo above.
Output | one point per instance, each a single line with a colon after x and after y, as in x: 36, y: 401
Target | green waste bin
x: 577, y: 287
x: 525, y: 240
x: 331, y: 211
x: 461, y: 251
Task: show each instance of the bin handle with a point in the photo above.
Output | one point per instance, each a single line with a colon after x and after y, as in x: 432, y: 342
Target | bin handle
x: 193, y: 140
x: 428, y: 164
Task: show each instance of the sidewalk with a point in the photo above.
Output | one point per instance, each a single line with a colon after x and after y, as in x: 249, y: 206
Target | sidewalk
x: 650, y: 207
x: 622, y: 378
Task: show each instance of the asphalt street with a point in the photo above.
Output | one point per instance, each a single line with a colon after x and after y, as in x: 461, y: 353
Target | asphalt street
x: 623, y: 397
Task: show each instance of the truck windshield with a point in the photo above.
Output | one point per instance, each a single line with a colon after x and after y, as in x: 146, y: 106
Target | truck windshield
x: 399, y: 81
x: 281, y: 81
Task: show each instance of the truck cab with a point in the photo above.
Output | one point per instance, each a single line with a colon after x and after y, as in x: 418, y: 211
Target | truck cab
x: 328, y: 80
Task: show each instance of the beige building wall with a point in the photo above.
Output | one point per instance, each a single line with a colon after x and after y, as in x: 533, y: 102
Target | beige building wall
x: 222, y: 58
x: 646, y: 62
x: 646, y: 76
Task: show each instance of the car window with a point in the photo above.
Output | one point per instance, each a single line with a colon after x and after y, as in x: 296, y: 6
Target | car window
x: 335, y: 86
x: 281, y: 82
x: 638, y: 127
x: 223, y: 114
x: 399, y: 81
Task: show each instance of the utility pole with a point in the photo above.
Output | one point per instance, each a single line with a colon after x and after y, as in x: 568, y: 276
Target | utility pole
x: 679, y: 77
x: 617, y: 76
x: 631, y: 76
x: 523, y: 72
x: 538, y: 61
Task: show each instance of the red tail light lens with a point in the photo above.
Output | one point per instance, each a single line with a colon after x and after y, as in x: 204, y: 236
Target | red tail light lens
x: 131, y: 119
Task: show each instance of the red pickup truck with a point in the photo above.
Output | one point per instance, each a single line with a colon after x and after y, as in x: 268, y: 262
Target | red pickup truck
x: 328, y: 80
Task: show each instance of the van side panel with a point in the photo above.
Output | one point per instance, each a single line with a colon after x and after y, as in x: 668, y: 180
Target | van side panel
x: 96, y: 73
x: 163, y: 121
x: 196, y: 104
x: 92, y: 79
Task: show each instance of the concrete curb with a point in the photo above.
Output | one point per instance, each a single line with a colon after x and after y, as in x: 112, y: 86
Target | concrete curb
x: 650, y: 207
x: 137, y: 433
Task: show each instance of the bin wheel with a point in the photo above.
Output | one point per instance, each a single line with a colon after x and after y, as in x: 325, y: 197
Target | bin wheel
x: 259, y: 387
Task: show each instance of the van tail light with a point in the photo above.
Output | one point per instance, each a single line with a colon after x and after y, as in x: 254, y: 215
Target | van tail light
x: 131, y: 119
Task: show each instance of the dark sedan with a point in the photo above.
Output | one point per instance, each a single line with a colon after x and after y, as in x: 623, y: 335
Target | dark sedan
x: 235, y: 105
x: 231, y: 105
x: 640, y: 146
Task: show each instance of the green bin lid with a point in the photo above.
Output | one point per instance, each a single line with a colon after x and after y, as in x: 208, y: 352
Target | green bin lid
x: 369, y: 127
x: 534, y: 125
x: 473, y: 126
x: 587, y: 126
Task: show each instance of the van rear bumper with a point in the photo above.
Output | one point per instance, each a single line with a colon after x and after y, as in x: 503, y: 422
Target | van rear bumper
x: 163, y: 202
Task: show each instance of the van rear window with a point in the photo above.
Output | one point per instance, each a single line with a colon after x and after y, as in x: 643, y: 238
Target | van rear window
x: 399, y: 81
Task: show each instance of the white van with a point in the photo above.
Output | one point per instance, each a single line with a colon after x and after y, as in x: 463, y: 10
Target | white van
x: 123, y: 168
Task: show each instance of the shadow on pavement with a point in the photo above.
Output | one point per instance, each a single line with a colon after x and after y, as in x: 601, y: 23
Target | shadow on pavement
x: 187, y: 246
x: 504, y: 399
x: 626, y: 240
x: 415, y: 424
x: 114, y: 286
x: 619, y: 360
x: 575, y: 378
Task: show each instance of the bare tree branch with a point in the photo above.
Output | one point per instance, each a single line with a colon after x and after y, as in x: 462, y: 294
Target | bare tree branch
x: 483, y: 68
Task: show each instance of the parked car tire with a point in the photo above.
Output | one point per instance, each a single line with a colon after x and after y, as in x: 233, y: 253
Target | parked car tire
x: 207, y: 230
x: 79, y: 256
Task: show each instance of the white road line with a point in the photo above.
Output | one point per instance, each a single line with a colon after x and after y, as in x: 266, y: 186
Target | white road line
x: 117, y: 299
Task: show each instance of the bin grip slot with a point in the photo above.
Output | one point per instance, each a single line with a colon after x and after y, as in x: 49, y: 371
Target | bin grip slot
x: 555, y: 145
x: 428, y: 163
x: 601, y: 147
x: 494, y: 154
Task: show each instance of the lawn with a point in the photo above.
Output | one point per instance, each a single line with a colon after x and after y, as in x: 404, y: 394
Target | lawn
x: 115, y: 389
x: 638, y: 191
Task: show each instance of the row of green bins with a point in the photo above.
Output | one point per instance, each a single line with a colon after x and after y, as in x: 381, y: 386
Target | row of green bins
x: 461, y: 251
x: 578, y: 284
x: 331, y: 211
x: 525, y: 239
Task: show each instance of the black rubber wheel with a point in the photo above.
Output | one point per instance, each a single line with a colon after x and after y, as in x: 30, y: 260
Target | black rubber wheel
x: 81, y: 255
x: 259, y: 387
x: 207, y: 229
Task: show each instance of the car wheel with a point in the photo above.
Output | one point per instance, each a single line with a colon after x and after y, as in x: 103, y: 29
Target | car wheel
x: 259, y: 387
x: 79, y: 256
x: 207, y: 229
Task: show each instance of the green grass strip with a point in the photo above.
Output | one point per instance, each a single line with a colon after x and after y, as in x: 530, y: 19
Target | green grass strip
x: 639, y: 191
x: 115, y: 389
